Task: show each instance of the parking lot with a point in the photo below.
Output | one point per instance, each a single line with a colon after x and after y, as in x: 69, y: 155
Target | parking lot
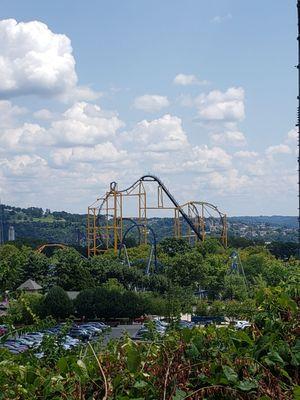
x: 119, y: 331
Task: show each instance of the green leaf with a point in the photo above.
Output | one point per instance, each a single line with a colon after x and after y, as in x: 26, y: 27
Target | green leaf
x: 81, y: 364
x: 140, y: 384
x: 296, y: 392
x: 247, y: 385
x: 179, y: 395
x: 192, y: 351
x: 230, y: 374
x: 275, y: 357
x: 62, y: 365
x: 133, y: 359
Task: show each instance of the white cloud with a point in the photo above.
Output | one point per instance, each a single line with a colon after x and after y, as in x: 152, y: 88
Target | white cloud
x: 221, y: 18
x: 203, y: 159
x: 292, y: 136
x: 246, y: 154
x: 222, y: 106
x: 25, y: 137
x: 84, y: 124
x: 9, y: 113
x: 278, y: 149
x: 234, y: 138
x: 102, y: 153
x: 43, y: 114
x: 34, y: 60
x: 186, y: 80
x: 24, y: 165
x: 159, y: 135
x: 151, y: 102
x: 229, y: 181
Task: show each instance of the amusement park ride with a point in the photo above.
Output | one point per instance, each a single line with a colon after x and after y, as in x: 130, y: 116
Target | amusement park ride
x: 105, y: 223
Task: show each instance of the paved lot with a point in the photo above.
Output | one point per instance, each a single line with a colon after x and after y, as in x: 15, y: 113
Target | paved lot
x: 121, y: 329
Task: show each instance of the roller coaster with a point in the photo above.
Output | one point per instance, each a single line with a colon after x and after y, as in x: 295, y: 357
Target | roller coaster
x: 192, y: 220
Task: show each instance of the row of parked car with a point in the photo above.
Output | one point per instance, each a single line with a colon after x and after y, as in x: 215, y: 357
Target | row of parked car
x: 159, y: 327
x: 75, y: 335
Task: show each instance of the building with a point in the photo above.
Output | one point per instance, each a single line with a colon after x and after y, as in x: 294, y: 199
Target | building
x: 30, y: 286
x: 11, y: 234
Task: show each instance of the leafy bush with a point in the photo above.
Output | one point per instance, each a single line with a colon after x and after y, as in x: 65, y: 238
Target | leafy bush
x: 26, y: 308
x: 57, y: 303
x: 109, y: 301
x: 203, y: 363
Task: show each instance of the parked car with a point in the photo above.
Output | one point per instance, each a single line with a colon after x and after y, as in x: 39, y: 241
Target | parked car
x: 91, y: 329
x: 242, y: 324
x: 80, y: 333
x: 100, y: 325
x: 186, y: 324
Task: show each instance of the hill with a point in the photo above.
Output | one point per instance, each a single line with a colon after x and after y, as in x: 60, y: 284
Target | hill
x: 46, y: 226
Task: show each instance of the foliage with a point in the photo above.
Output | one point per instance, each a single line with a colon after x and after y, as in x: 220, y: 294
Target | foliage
x: 109, y: 301
x: 283, y: 250
x: 71, y: 270
x: 202, y: 363
x: 11, y: 261
x: 173, y: 246
x: 26, y: 308
x: 57, y: 303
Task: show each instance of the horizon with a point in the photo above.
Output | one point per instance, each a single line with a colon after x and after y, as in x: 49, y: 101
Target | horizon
x: 228, y: 216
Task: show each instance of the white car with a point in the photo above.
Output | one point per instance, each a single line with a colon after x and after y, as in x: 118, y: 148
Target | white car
x: 242, y: 324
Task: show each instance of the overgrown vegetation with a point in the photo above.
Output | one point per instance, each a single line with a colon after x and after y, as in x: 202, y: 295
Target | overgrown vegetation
x: 202, y: 363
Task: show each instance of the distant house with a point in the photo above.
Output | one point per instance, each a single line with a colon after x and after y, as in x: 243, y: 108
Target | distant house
x: 72, y: 294
x: 30, y: 286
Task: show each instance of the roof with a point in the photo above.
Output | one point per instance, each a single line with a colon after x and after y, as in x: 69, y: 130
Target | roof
x: 30, y: 285
x: 72, y: 294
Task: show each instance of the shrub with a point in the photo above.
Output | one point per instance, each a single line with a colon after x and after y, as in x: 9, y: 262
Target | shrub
x: 57, y: 303
x: 85, y: 303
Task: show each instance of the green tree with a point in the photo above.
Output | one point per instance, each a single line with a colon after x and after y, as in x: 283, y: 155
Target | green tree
x: 173, y: 246
x: 12, y: 260
x: 234, y: 287
x: 186, y: 269
x: 178, y: 300
x: 57, y: 303
x: 71, y: 270
x: 85, y: 303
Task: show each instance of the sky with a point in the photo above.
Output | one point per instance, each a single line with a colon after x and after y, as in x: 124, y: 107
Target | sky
x: 201, y: 94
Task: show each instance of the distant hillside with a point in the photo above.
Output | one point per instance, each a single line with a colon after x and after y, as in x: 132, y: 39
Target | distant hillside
x: 59, y: 226
x: 284, y: 221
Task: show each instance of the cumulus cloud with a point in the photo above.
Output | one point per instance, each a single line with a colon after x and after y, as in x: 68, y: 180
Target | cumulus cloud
x: 28, y: 166
x: 102, y: 153
x: 234, y: 138
x: 278, y: 149
x: 221, y: 106
x: 151, y: 103
x: 204, y: 159
x: 34, y: 60
x: 23, y: 138
x: 246, y: 154
x: 292, y: 136
x: 159, y: 135
x: 187, y: 80
x: 84, y: 124
x: 9, y: 113
x: 43, y: 114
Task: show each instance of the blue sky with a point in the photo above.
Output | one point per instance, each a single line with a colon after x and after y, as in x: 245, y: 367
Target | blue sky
x: 222, y: 131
